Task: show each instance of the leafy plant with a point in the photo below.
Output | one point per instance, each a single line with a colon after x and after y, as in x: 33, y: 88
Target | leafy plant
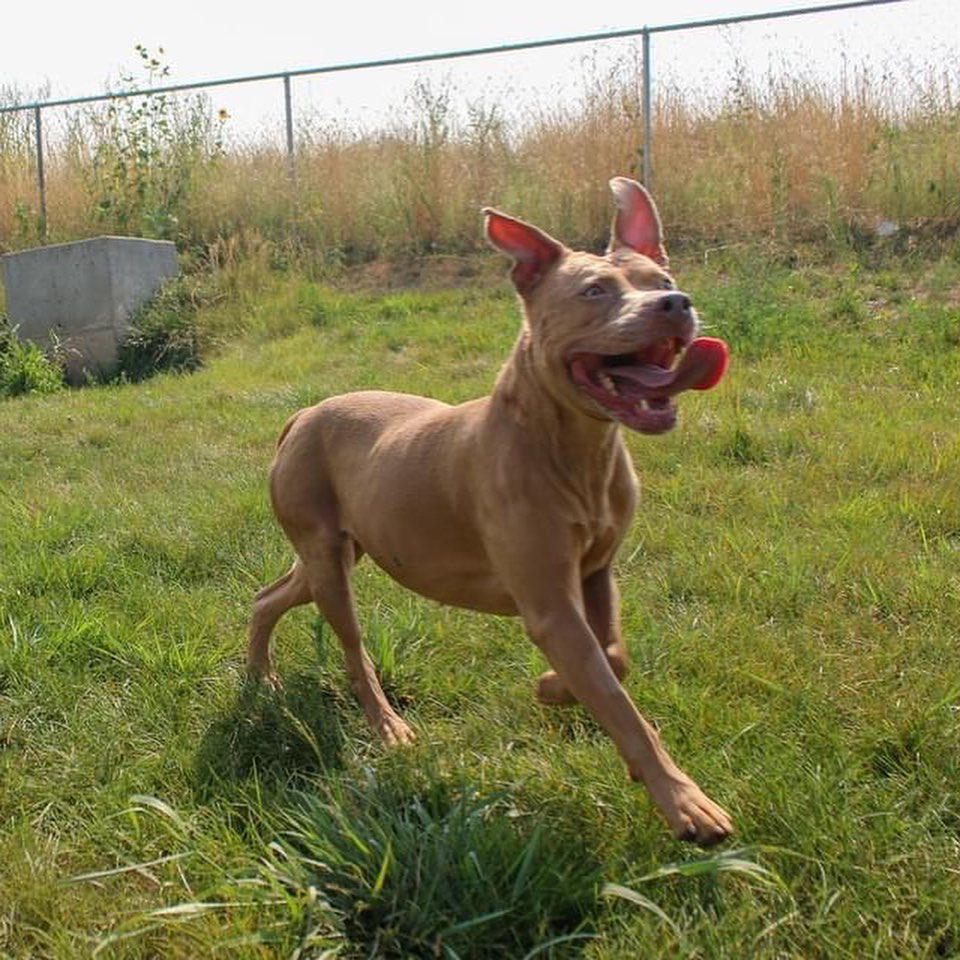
x: 24, y: 367
x: 148, y: 149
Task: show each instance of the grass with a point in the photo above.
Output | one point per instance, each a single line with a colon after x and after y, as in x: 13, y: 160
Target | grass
x: 24, y: 367
x: 790, y: 590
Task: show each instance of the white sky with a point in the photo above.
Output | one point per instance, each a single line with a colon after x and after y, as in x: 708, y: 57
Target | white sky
x: 69, y: 48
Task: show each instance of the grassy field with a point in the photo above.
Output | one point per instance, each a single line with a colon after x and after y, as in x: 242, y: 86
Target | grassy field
x: 791, y: 591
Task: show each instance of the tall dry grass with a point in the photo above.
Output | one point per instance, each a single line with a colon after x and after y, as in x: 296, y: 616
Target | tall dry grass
x: 786, y: 156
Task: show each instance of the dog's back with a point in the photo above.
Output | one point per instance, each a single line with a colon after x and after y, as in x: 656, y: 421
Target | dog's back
x: 392, y: 472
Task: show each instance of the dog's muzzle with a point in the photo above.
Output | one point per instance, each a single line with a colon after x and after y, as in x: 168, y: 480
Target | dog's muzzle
x: 637, y: 388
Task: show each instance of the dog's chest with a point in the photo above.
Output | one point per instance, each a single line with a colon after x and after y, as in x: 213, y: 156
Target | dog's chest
x: 600, y: 549
x: 607, y: 518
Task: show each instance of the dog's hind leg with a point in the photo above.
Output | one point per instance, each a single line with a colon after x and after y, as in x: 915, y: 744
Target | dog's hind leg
x: 328, y: 556
x: 269, y: 605
x: 601, y: 601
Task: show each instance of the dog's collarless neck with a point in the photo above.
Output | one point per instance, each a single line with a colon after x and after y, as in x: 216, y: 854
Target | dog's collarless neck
x: 529, y: 402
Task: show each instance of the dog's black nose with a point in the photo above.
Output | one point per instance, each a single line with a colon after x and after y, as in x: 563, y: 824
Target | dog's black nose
x: 675, y: 303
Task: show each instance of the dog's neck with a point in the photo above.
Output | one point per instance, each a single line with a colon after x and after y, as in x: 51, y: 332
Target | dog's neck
x: 527, y: 396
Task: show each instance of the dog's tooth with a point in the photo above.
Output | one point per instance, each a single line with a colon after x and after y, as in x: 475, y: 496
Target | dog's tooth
x: 607, y: 383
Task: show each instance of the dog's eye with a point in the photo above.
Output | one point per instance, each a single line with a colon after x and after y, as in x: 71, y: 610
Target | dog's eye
x: 667, y: 284
x: 593, y: 291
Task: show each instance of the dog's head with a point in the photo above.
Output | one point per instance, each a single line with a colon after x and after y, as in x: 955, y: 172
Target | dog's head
x: 612, y: 334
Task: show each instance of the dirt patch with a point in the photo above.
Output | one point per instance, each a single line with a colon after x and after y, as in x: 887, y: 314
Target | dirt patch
x: 438, y: 272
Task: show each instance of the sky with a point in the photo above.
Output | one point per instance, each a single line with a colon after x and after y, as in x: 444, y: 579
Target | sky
x: 63, y: 48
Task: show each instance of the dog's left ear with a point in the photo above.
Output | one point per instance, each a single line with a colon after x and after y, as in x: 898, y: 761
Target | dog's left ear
x: 533, y: 251
x: 636, y: 223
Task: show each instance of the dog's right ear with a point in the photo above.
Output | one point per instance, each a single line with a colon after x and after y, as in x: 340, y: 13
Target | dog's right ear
x: 637, y: 223
x: 533, y: 251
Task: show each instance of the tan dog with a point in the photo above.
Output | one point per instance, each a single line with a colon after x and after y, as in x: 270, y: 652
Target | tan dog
x: 515, y: 503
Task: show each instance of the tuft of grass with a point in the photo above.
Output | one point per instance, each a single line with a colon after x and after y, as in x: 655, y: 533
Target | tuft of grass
x: 443, y: 872
x: 24, y: 367
x: 164, y: 334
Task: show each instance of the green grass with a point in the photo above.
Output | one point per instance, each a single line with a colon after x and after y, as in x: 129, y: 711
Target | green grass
x: 24, y: 367
x: 791, y: 593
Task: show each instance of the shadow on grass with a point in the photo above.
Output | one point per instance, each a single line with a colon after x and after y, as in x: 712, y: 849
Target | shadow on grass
x: 279, y: 737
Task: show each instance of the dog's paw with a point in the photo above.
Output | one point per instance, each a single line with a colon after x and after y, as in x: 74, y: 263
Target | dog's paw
x: 266, y: 676
x: 553, y: 692
x: 393, y: 731
x: 695, y: 818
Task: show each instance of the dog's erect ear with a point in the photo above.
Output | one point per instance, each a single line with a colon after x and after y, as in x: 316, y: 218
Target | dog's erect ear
x: 533, y: 251
x: 637, y: 223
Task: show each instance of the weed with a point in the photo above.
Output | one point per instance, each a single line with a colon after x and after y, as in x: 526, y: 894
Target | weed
x: 164, y: 335
x: 25, y: 367
x: 146, y: 153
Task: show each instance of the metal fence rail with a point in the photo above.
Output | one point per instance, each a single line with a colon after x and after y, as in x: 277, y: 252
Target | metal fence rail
x: 286, y: 76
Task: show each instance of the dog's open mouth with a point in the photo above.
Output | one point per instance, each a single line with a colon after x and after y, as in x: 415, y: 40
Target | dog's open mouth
x: 636, y: 389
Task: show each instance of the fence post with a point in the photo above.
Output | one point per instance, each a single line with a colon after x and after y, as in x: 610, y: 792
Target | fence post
x: 291, y: 149
x: 41, y: 179
x: 647, y: 106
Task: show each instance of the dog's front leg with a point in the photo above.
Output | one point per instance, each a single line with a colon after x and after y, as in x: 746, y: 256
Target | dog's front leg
x: 601, y: 601
x: 558, y: 625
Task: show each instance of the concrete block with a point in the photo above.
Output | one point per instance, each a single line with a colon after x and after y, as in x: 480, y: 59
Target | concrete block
x: 83, y: 295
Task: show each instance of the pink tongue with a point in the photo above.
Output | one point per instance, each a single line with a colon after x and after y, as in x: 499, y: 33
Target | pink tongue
x: 701, y: 367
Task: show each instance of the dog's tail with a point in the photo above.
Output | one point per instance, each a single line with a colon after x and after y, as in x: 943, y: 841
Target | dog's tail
x: 287, y: 427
